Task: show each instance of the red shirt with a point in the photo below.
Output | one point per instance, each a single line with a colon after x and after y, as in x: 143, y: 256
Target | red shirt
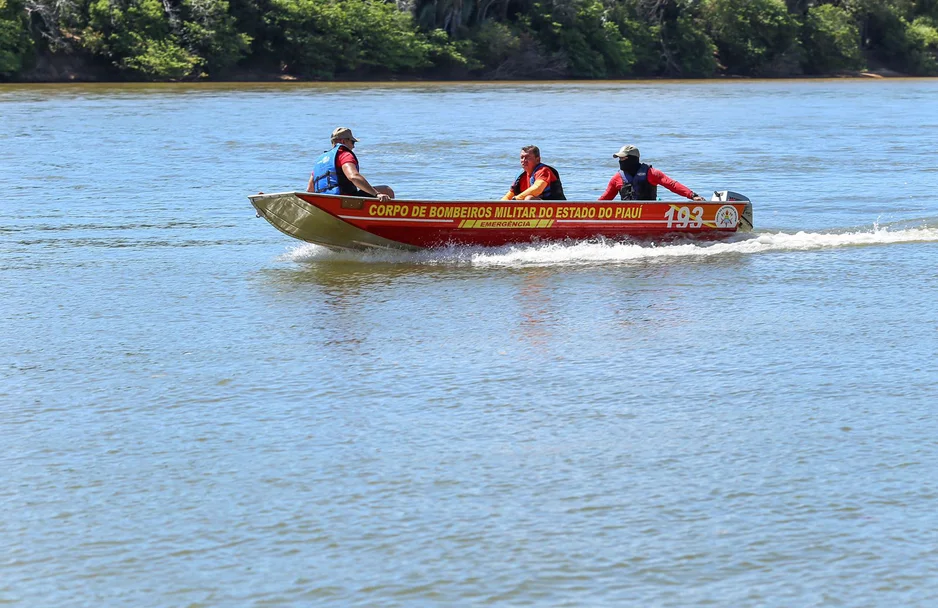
x: 655, y: 178
x: 344, y: 156
x: 543, y: 173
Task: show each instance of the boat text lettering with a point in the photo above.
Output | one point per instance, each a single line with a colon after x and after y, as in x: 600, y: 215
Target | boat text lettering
x: 527, y: 212
x: 523, y: 212
x: 429, y: 211
x: 392, y: 210
x: 623, y: 212
x: 460, y: 212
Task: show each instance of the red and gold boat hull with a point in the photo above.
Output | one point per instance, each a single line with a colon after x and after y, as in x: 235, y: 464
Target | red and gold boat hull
x: 345, y: 222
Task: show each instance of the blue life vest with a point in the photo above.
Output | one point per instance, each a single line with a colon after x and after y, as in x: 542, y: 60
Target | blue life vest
x: 553, y: 191
x: 636, y: 187
x: 329, y: 179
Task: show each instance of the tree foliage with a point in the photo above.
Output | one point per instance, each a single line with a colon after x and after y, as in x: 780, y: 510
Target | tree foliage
x: 211, y: 33
x: 324, y: 39
x: 138, y: 36
x: 327, y: 39
x: 688, y: 49
x: 831, y: 40
x: 898, y: 33
x: 15, y: 42
x: 581, y: 32
x: 752, y: 36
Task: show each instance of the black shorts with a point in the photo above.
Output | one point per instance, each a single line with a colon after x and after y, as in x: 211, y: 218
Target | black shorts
x: 364, y: 194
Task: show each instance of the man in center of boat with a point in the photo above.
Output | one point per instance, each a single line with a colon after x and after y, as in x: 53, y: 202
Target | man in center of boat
x: 537, y: 182
x: 336, y: 171
x: 637, y: 181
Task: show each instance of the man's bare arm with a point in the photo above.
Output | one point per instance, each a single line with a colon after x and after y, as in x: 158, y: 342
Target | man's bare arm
x: 351, y: 172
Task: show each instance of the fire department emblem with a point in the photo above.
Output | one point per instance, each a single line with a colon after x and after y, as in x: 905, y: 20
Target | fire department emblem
x: 727, y: 217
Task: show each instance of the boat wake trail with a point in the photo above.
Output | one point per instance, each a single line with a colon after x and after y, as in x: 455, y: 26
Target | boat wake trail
x: 604, y: 252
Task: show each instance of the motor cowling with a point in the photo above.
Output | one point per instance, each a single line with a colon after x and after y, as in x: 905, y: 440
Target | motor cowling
x: 728, y: 196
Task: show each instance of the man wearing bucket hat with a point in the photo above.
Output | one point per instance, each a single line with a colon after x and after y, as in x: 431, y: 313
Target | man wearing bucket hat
x: 637, y: 181
x: 336, y: 171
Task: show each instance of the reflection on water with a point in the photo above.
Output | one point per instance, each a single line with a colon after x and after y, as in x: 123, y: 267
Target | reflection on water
x: 345, y: 274
x: 537, y: 313
x: 349, y: 298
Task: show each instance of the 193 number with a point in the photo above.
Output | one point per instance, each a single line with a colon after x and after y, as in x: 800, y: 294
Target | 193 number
x: 684, y: 217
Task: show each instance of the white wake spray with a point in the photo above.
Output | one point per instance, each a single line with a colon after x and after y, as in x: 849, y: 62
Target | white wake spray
x: 602, y: 252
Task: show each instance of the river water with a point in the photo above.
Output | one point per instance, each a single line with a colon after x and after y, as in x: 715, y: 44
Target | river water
x: 199, y: 411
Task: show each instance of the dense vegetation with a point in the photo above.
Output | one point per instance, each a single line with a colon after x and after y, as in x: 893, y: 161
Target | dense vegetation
x: 348, y: 39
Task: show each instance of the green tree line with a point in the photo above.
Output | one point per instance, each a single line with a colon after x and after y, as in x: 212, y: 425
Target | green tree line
x: 496, y: 39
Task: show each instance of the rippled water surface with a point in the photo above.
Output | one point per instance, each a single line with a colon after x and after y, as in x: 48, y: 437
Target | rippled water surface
x: 198, y: 411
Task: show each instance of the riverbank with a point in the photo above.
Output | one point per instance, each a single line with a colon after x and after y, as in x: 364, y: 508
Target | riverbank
x: 56, y: 70
x: 372, y: 40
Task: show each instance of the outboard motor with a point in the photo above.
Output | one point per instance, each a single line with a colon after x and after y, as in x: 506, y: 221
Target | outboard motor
x: 728, y: 196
